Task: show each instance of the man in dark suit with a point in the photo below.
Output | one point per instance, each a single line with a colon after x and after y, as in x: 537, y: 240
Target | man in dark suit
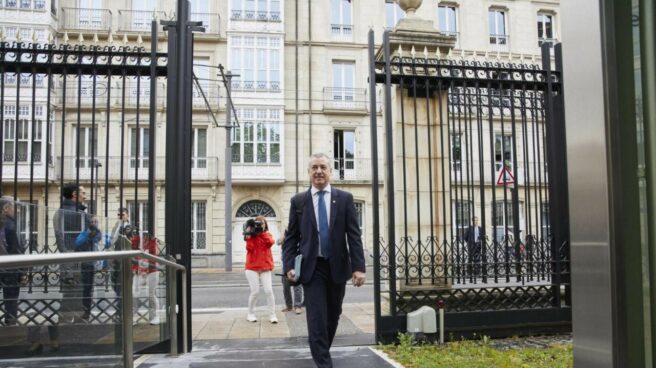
x: 327, y: 230
x: 473, y: 237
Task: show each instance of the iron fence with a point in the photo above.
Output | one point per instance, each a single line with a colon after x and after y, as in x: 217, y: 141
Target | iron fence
x: 475, y: 216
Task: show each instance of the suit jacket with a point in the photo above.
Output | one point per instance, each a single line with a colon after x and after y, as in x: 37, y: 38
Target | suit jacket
x: 346, y: 253
x: 470, y: 235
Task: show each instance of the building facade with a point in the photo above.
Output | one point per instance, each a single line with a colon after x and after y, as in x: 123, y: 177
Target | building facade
x: 300, y: 87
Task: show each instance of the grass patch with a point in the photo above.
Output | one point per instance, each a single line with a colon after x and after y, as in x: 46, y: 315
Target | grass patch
x: 474, y: 354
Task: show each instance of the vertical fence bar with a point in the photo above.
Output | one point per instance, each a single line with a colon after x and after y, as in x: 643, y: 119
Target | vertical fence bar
x: 3, y: 53
x: 152, y: 126
x: 391, y: 230
x: 430, y: 173
x: 126, y: 281
x: 19, y: 56
x: 374, y: 184
x: 418, y: 241
x: 107, y: 128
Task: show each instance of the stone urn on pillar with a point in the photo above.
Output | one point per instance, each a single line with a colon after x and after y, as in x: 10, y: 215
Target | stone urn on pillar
x: 410, y: 6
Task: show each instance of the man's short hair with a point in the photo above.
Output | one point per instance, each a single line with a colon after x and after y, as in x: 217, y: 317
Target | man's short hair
x: 69, y: 189
x: 320, y: 155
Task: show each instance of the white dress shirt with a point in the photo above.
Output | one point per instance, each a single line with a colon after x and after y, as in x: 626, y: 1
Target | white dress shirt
x: 315, y: 201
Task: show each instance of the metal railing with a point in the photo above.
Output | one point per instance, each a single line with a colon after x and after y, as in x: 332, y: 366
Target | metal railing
x: 499, y: 42
x: 137, y: 20
x: 126, y: 257
x: 86, y: 18
x: 342, y: 32
x: 202, y: 168
x: 338, y: 98
x: 211, y: 22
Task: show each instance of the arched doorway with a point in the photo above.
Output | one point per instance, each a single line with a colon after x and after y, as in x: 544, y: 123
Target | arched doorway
x: 250, y: 210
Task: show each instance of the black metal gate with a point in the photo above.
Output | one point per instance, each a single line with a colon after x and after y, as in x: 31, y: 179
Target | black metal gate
x: 97, y: 106
x: 469, y: 142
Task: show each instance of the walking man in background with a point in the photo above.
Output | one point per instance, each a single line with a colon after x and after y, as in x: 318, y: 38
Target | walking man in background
x: 323, y: 220
x: 473, y: 236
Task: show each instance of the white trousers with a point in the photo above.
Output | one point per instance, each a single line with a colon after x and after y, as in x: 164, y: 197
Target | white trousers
x: 150, y: 281
x: 254, y: 279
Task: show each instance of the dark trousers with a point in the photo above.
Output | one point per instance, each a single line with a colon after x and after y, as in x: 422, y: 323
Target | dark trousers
x: 88, y: 272
x: 323, y: 304
x: 474, y: 259
x: 10, y: 292
x: 287, y: 293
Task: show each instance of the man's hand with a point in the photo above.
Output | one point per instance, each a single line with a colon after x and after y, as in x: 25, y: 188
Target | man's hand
x: 358, y: 278
x: 290, y: 275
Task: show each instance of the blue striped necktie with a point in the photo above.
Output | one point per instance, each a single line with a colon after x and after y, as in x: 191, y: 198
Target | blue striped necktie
x: 324, y: 234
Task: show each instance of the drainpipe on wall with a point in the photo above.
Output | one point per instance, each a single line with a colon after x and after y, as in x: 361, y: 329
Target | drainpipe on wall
x: 310, y: 72
x: 296, y: 90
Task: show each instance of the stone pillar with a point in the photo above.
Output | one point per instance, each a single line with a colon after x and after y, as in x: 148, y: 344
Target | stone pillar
x: 412, y: 37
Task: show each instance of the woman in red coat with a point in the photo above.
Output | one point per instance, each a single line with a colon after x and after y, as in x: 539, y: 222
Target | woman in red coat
x: 259, y: 265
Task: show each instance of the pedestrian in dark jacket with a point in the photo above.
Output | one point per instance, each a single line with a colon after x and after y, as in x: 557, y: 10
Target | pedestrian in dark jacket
x: 9, y: 278
x: 86, y: 242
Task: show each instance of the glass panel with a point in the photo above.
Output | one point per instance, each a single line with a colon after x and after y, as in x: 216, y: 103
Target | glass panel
x: 275, y: 152
x: 248, y: 152
x: 335, y: 11
x: 346, y: 12
x: 349, y: 144
x: 202, y: 143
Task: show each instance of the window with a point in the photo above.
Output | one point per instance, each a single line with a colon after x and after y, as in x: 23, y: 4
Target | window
x: 17, y: 137
x: 447, y: 19
x: 10, y: 3
x: 456, y: 151
x: 393, y: 13
x: 255, y: 208
x: 90, y: 13
x: 88, y: 146
x: 344, y: 150
x: 497, y: 28
x: 40, y: 4
x: 198, y: 225
x: 545, y: 223
x: 503, y: 151
x: 199, y: 148
x: 202, y: 72
x: 257, y: 139
x: 139, y: 148
x: 27, y: 224
x: 10, y: 33
x: 462, y: 214
x: 256, y: 10
x: 341, y: 18
x: 545, y: 29
x: 138, y: 213
x: 503, y: 219
x: 257, y: 60
x: 343, y: 81
x: 26, y: 4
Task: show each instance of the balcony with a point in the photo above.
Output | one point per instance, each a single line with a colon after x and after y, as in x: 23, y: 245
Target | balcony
x: 23, y: 170
x: 499, y: 43
x: 211, y: 22
x: 39, y: 5
x: 212, y: 92
x: 239, y: 85
x: 355, y: 170
x: 202, y: 168
x: 550, y: 41
x: 259, y: 16
x: 342, y: 32
x: 337, y: 99
x: 84, y: 19
x: 453, y: 34
x: 138, y: 20
x: 271, y: 173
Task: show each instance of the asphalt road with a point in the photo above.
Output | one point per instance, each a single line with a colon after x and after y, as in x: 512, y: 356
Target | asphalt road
x: 231, y: 291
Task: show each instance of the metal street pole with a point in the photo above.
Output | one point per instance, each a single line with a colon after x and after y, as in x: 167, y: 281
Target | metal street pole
x: 228, y: 178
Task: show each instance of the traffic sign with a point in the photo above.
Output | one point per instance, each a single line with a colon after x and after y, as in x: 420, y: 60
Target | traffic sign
x: 505, y: 176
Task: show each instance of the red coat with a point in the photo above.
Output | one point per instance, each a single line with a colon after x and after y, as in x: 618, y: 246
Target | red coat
x: 149, y: 246
x: 258, y: 252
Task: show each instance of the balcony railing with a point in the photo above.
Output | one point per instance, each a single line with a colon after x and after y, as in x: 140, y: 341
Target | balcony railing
x: 252, y: 15
x: 212, y: 93
x: 138, y: 20
x: 354, y: 169
x: 257, y: 172
x: 499, y: 43
x: 86, y: 19
x: 211, y: 22
x: 255, y: 86
x: 342, y: 32
x: 24, y: 172
x: 550, y: 41
x: 202, y: 168
x: 336, y: 98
